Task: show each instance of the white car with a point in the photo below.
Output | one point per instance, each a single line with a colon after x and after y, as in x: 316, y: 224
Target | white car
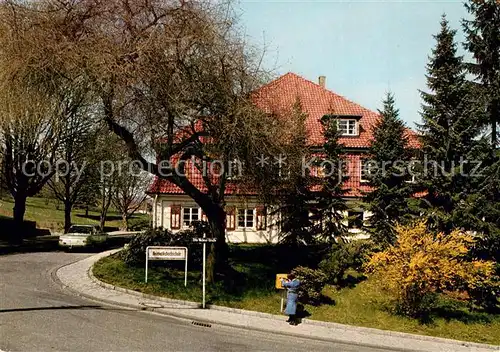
x: 82, y: 236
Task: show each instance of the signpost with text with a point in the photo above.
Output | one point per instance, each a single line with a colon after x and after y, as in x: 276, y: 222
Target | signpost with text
x: 167, y: 253
x: 204, y: 240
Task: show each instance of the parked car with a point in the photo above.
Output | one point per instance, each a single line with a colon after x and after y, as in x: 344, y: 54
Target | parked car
x: 82, y: 236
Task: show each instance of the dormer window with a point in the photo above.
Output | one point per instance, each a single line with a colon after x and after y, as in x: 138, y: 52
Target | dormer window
x: 348, y: 127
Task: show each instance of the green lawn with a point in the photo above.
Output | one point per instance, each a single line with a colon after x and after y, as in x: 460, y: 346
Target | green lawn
x: 363, y: 304
x: 48, y: 215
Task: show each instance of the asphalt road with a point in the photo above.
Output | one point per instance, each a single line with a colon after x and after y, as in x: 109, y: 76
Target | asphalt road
x: 37, y: 315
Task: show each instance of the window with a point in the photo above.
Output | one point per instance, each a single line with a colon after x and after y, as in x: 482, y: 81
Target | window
x: 368, y: 169
x: 355, y: 219
x: 348, y: 127
x: 189, y: 215
x: 235, y: 169
x: 245, y: 218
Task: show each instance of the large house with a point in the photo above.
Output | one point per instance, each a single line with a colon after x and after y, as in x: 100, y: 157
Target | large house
x: 246, y: 220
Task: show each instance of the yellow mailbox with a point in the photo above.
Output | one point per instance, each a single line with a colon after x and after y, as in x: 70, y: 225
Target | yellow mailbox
x: 279, y: 277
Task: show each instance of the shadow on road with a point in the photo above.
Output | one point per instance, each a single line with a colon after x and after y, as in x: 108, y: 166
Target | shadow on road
x: 29, y: 309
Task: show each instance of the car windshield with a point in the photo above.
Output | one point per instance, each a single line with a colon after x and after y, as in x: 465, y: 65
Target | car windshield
x: 80, y: 229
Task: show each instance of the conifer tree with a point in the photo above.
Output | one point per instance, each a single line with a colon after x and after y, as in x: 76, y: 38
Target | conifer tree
x: 295, y: 199
x: 329, y: 215
x: 448, y: 132
x: 483, y: 42
x: 390, y: 153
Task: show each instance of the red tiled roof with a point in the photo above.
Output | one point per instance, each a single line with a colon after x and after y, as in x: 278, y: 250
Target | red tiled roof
x: 278, y: 97
x: 316, y: 101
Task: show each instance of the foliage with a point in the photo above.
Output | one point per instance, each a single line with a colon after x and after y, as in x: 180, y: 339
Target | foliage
x: 482, y: 31
x: 295, y: 198
x: 135, y: 252
x: 422, y: 264
x: 343, y: 256
x: 388, y: 174
x: 331, y: 197
x: 337, y: 261
x: 451, y: 115
x: 312, y: 282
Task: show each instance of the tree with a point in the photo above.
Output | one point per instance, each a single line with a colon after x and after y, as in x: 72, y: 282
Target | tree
x: 296, y: 199
x: 36, y: 97
x: 390, y: 155
x: 129, y: 194
x: 74, y: 179
x: 332, y: 205
x: 483, y: 41
x: 170, y: 79
x: 448, y: 133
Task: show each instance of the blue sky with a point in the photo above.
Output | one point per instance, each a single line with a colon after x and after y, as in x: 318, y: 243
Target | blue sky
x: 364, y: 48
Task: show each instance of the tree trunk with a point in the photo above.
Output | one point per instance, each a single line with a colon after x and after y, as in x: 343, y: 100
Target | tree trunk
x: 124, y: 222
x: 102, y: 220
x: 217, y: 262
x: 19, y: 210
x: 68, y: 206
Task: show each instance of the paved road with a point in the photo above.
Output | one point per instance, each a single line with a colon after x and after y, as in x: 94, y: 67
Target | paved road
x: 37, y: 315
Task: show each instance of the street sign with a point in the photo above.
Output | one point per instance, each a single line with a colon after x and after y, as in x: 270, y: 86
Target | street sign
x: 167, y: 253
x: 204, y: 240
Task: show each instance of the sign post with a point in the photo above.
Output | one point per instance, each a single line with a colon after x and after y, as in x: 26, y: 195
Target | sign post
x: 204, y: 240
x: 279, y: 286
x: 167, y: 253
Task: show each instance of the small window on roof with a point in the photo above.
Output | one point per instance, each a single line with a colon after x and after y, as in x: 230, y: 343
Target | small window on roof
x: 348, y: 127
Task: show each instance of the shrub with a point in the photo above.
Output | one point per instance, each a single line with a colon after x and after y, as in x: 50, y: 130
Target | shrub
x: 337, y: 261
x: 421, y: 264
x: 343, y: 256
x: 485, y: 292
x: 312, y: 282
x: 135, y: 252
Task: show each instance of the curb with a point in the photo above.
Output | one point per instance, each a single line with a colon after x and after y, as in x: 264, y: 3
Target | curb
x: 194, y: 305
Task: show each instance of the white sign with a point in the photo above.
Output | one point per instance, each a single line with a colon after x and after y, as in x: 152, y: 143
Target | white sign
x: 167, y: 253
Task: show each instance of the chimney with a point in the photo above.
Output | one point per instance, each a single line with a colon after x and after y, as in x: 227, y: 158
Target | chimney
x: 322, y: 81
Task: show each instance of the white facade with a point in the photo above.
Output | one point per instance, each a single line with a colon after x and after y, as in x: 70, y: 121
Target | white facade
x: 245, y: 223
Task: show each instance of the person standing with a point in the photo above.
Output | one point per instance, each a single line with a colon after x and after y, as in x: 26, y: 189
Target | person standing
x: 292, y: 285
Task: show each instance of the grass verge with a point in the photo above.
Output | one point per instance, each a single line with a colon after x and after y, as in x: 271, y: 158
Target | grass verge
x: 363, y: 304
x: 48, y: 214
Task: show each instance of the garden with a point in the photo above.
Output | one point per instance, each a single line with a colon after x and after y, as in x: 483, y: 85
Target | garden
x: 430, y: 287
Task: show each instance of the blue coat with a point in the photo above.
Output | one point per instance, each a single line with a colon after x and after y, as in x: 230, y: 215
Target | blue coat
x: 292, y: 296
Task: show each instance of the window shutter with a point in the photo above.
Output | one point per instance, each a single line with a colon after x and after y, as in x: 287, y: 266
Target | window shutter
x: 230, y: 219
x: 175, y: 217
x: 261, y: 217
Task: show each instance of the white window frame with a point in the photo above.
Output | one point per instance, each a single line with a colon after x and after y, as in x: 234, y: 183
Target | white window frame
x: 346, y: 132
x: 191, y: 213
x: 245, y: 218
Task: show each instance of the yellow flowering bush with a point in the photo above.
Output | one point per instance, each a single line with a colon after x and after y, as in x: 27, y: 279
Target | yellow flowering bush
x: 421, y: 264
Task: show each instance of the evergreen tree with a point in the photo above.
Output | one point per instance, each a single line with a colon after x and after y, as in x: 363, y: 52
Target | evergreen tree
x: 390, y: 153
x: 331, y: 204
x: 448, y: 130
x: 295, y: 199
x: 483, y: 41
